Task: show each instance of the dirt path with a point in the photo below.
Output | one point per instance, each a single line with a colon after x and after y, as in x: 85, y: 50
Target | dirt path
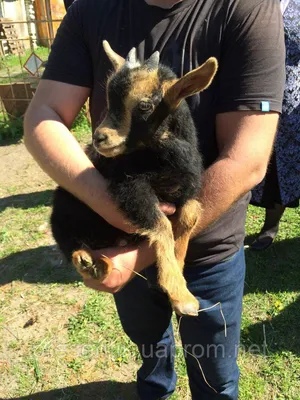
x: 39, y: 296
x: 20, y: 173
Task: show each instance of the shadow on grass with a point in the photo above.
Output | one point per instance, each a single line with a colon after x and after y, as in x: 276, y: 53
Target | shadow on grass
x: 280, y: 333
x: 106, y: 390
x: 41, y: 265
x: 25, y: 201
x: 275, y: 270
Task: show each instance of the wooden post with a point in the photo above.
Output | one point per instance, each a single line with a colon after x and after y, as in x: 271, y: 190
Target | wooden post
x: 49, y: 18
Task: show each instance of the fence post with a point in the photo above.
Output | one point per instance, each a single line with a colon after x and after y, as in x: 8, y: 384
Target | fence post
x: 49, y: 18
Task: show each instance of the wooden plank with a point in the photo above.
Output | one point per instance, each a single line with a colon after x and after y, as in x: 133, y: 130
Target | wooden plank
x: 9, y: 32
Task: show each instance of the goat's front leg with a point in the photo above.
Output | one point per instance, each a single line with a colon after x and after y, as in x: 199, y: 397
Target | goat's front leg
x: 184, y: 222
x: 170, y: 276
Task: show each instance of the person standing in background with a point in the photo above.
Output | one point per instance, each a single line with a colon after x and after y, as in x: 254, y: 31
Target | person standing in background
x: 281, y: 186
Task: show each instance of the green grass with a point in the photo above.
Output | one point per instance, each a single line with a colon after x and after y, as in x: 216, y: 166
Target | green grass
x: 15, y: 60
x: 81, y: 127
x: 75, y: 347
x: 11, y: 130
x: 272, y: 313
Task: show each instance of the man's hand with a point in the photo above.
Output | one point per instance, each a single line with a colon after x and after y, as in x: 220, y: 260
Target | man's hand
x: 126, y: 260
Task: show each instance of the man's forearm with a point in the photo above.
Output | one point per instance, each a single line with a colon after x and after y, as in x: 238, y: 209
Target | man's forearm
x: 223, y: 184
x: 59, y: 154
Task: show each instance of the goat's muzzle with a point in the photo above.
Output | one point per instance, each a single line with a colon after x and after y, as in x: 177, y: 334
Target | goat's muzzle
x: 108, y: 141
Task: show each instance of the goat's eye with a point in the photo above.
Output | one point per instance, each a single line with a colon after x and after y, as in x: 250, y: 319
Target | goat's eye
x: 145, y: 105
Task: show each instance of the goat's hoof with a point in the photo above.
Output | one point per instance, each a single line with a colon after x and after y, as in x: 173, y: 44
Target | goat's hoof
x: 189, y: 307
x: 88, y: 267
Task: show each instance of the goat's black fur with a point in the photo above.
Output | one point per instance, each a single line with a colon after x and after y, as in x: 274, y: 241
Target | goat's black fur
x: 162, y: 170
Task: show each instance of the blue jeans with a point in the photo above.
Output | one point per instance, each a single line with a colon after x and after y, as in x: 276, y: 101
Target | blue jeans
x: 145, y: 314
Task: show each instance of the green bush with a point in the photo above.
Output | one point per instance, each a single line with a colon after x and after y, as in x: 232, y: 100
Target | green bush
x: 11, y: 129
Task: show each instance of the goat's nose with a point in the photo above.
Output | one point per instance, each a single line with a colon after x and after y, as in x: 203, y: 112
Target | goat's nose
x: 100, y: 138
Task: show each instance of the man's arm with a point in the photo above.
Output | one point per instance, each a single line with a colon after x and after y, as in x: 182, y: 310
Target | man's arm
x: 245, y: 140
x: 47, y: 137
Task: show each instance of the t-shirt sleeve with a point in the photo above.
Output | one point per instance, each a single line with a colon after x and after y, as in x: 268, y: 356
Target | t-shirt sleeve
x: 70, y: 60
x: 252, y: 63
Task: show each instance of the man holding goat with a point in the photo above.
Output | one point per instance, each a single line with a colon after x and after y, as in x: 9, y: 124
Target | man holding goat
x: 236, y: 118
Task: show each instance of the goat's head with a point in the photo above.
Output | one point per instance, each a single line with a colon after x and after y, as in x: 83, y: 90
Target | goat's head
x: 134, y: 92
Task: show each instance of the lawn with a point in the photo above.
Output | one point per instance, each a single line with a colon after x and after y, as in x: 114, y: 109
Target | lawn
x: 60, y: 340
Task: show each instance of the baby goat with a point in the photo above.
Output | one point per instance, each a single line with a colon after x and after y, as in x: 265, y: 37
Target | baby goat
x: 146, y: 148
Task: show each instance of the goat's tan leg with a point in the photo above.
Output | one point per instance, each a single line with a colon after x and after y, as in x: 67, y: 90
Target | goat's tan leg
x: 90, y: 266
x: 186, y: 220
x: 170, y: 276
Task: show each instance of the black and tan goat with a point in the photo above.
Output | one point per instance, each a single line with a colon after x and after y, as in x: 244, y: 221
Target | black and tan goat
x: 146, y: 147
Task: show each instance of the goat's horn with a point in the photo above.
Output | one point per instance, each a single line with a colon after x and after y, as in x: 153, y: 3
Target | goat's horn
x: 153, y: 61
x: 115, y: 59
x: 131, y: 60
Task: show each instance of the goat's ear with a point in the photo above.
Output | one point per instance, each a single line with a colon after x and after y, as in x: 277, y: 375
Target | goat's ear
x: 116, y: 60
x: 193, y: 82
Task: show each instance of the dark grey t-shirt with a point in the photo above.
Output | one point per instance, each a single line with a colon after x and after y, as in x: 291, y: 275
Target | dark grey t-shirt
x: 246, y: 36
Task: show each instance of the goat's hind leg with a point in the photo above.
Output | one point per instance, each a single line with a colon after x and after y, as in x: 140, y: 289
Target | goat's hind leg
x: 186, y: 219
x: 89, y: 265
x: 170, y: 276
x: 141, y: 206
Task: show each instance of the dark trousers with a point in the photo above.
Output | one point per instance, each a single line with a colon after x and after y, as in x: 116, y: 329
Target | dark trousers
x: 145, y: 314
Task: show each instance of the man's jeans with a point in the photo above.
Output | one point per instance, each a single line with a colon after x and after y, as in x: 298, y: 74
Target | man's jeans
x: 145, y: 314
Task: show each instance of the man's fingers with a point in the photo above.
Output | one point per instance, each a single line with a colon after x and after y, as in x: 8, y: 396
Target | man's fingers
x: 167, y: 208
x: 111, y: 284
